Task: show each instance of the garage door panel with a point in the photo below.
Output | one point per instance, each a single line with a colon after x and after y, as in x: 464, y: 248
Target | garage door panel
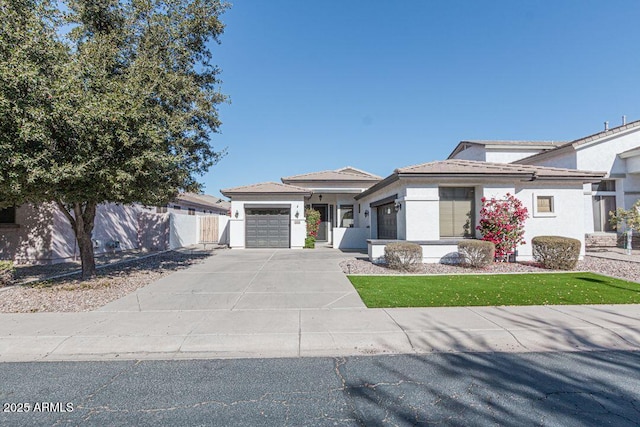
x: 267, y: 228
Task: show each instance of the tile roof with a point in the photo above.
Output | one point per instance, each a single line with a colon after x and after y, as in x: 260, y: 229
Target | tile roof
x: 351, y: 169
x: 266, y: 188
x: 466, y: 167
x: 203, y: 200
x: 344, y: 174
x: 584, y: 140
x: 454, y: 168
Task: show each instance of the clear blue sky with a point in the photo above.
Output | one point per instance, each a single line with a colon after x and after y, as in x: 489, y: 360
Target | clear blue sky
x: 377, y: 85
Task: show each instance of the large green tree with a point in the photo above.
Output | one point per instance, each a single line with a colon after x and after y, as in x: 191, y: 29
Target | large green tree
x: 106, y: 101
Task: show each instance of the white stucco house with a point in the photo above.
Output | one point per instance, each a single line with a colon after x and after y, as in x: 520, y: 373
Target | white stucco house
x: 615, y: 151
x: 271, y: 214
x: 567, y: 187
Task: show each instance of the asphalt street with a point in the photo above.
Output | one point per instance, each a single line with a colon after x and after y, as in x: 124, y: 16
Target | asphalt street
x: 507, y: 389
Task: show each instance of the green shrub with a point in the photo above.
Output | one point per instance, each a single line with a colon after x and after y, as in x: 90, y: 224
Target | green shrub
x: 556, y: 252
x: 313, y: 222
x: 403, y: 255
x: 7, y: 271
x: 476, y: 253
x: 310, y: 242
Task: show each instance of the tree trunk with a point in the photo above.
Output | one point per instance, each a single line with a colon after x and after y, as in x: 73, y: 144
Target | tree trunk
x: 85, y: 244
x: 82, y: 222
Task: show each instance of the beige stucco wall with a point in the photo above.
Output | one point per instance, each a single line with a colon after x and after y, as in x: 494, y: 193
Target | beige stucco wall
x: 43, y: 234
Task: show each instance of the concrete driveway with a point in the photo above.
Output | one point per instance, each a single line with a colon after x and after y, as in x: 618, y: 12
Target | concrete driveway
x: 252, y: 279
x: 285, y: 303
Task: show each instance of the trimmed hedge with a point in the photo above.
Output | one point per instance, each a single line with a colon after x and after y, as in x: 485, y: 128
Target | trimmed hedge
x: 7, y: 271
x: 476, y: 253
x: 556, y: 252
x: 403, y: 255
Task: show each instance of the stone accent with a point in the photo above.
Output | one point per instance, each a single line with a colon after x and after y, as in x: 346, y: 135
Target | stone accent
x: 601, y: 240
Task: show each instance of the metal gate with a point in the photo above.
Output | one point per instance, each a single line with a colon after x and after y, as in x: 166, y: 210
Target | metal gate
x: 267, y: 228
x: 208, y: 232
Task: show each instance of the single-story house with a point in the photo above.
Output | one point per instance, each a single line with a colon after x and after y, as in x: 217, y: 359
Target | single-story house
x: 568, y: 188
x: 271, y: 214
x: 434, y: 204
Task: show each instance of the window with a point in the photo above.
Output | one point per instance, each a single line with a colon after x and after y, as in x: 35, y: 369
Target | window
x: 544, y: 205
x: 8, y: 215
x: 192, y: 211
x: 456, y: 211
x: 161, y: 209
x: 346, y: 216
x: 177, y: 207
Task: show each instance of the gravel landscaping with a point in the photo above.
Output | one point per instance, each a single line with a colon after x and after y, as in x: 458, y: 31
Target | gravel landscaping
x: 70, y: 294
x: 621, y: 269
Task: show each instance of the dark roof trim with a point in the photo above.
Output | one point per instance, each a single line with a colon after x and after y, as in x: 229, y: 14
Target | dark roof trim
x: 384, y: 201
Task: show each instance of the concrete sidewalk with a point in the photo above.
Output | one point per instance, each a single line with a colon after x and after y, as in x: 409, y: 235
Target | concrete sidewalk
x: 281, y: 303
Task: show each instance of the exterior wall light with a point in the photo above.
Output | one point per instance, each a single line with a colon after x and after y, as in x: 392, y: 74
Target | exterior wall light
x: 237, y: 213
x: 366, y: 213
x: 320, y: 197
x: 297, y: 214
x: 397, y: 206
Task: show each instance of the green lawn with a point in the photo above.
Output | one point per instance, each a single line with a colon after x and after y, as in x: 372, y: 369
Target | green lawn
x: 494, y: 289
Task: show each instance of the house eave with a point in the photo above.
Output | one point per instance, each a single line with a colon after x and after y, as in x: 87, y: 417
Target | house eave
x: 257, y: 193
x: 520, y: 175
x: 545, y: 155
x: 629, y: 154
x: 365, y: 183
x: 381, y: 184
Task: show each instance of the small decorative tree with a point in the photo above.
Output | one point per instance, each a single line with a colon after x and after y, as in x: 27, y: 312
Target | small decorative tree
x: 502, y: 223
x: 313, y: 224
x: 631, y: 220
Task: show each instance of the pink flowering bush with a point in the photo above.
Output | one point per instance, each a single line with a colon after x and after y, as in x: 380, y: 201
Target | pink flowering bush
x: 313, y: 224
x: 502, y: 223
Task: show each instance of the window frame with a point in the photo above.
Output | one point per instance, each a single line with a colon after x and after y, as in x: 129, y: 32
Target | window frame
x: 452, y: 194
x: 553, y: 206
x: 342, y: 210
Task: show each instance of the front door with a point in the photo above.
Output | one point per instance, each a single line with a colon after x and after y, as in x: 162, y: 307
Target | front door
x: 323, y: 230
x: 387, y: 222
